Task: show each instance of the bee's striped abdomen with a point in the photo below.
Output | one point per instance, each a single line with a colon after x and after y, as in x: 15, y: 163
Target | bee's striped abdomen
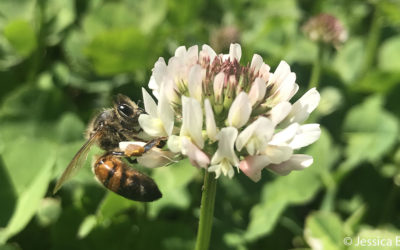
x: 118, y: 177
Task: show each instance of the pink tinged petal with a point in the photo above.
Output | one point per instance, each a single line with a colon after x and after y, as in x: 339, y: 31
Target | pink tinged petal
x: 303, y: 107
x: 192, y: 117
x: 306, y: 135
x: 149, y: 104
x: 240, y: 110
x: 211, y: 53
x: 285, y: 135
x: 256, y: 136
x: 194, y: 82
x: 219, y: 85
x: 278, y: 153
x: 296, y: 162
x: 264, y: 72
x: 257, y: 90
x: 165, y: 111
x: 235, y: 52
x: 279, y: 112
x: 196, y: 156
x: 211, y: 127
x: 252, y: 166
x: 226, y: 140
x: 256, y: 63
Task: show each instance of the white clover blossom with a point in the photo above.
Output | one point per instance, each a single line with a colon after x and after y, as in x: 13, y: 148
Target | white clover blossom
x: 225, y: 116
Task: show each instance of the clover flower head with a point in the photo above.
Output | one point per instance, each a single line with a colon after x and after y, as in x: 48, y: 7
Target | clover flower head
x: 227, y: 117
x: 325, y: 28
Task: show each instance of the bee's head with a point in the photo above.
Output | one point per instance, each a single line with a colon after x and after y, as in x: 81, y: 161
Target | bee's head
x: 127, y: 110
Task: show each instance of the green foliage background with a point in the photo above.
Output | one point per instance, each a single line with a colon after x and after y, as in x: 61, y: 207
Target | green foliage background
x: 61, y: 61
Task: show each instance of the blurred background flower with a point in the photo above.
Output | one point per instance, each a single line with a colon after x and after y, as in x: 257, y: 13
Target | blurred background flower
x: 325, y: 28
x: 61, y: 62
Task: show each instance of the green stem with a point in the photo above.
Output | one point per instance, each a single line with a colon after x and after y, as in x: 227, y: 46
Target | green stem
x: 37, y: 56
x: 373, y: 40
x: 316, y: 69
x: 206, y: 211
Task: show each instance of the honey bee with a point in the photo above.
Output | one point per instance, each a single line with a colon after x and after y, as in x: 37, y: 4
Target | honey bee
x: 107, y: 130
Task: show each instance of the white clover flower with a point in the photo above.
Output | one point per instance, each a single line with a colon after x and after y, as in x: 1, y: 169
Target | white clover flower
x: 225, y: 116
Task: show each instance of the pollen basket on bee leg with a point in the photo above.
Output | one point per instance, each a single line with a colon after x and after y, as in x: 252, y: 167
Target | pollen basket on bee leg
x: 134, y: 150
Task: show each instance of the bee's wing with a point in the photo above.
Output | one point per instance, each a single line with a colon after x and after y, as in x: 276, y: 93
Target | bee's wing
x: 77, y: 162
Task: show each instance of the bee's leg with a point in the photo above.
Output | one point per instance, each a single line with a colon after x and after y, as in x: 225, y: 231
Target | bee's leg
x: 158, y: 142
x: 136, y: 150
x: 122, y: 154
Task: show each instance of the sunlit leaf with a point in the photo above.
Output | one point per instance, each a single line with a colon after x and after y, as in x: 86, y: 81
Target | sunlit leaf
x: 59, y: 14
x: 114, y: 204
x: 389, y: 54
x: 40, y: 154
x: 378, y: 81
x: 30, y: 195
x: 21, y: 36
x: 172, y: 181
x: 349, y: 59
x: 370, y: 131
x: 87, y: 225
x: 297, y: 187
x: 323, y: 230
x: 118, y: 50
x: 49, y: 211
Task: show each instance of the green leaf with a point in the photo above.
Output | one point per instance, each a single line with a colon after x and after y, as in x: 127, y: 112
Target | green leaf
x: 59, y: 15
x: 172, y: 181
x: 10, y: 9
x: 8, y: 195
x: 263, y: 218
x: 323, y: 230
x: 331, y: 99
x: 389, y: 55
x: 378, y: 81
x: 114, y: 204
x: 49, y: 211
x: 370, y: 131
x: 31, y: 195
x: 118, y: 50
x: 390, y: 11
x: 87, y: 225
x: 70, y: 128
x: 21, y: 36
x: 298, y: 187
x: 17, y: 158
x: 349, y: 59
x: 10, y: 247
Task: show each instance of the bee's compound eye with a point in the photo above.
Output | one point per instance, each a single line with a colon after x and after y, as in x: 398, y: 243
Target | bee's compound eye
x: 125, y: 110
